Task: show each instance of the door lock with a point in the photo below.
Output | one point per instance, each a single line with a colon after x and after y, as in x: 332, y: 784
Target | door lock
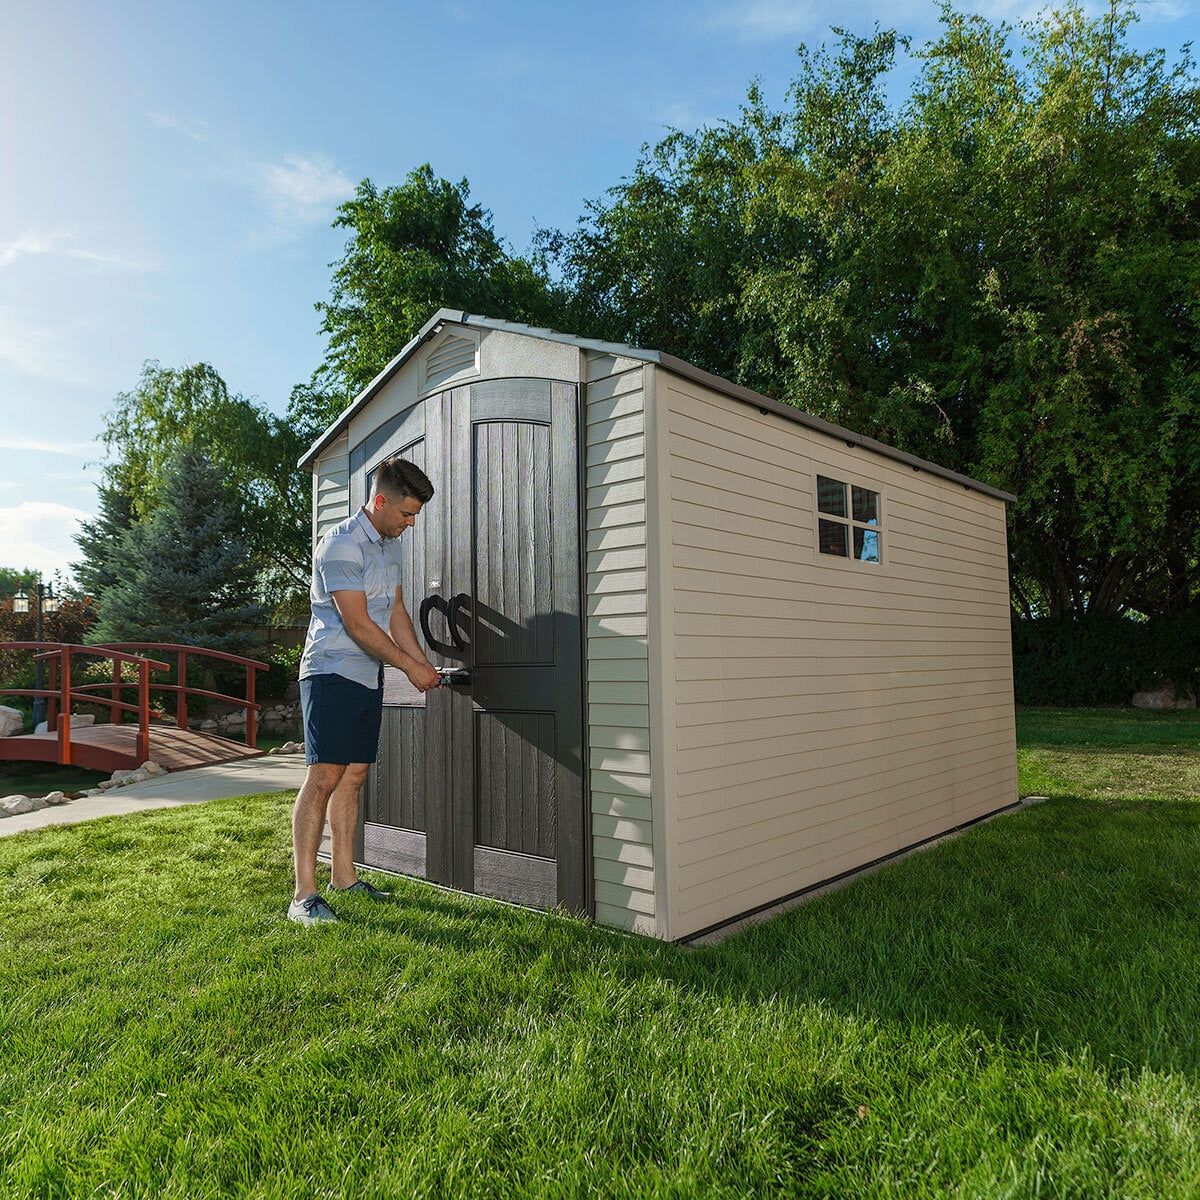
x: 454, y: 677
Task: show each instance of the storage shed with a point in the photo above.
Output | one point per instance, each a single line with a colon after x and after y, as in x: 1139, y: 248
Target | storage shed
x: 706, y: 651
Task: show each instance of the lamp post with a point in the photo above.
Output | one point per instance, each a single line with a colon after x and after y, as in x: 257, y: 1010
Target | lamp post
x: 47, y: 602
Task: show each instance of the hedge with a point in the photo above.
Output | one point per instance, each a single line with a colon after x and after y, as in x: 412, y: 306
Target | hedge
x: 1102, y: 659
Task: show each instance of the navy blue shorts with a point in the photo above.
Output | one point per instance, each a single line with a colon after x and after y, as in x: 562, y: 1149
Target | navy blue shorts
x: 341, y: 719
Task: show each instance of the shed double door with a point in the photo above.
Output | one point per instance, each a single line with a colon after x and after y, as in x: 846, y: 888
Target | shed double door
x: 479, y: 784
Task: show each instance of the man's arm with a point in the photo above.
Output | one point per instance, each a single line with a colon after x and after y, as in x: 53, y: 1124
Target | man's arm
x: 352, y: 608
x: 401, y: 628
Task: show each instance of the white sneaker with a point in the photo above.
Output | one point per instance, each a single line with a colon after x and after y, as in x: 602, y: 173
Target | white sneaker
x: 311, y: 910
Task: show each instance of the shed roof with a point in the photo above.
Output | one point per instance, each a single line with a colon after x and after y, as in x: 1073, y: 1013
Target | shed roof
x: 447, y: 316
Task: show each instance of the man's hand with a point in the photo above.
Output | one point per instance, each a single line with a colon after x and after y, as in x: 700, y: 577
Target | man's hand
x: 423, y: 675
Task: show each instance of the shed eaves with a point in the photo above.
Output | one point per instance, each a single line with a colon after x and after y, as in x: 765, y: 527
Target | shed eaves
x: 446, y: 316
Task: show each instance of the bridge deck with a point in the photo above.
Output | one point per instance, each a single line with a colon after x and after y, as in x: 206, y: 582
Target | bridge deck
x: 114, y: 747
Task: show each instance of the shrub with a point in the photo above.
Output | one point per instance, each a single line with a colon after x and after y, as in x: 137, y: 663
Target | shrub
x: 1102, y: 659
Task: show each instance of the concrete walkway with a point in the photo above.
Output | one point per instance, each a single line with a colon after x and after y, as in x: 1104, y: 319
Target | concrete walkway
x: 241, y: 778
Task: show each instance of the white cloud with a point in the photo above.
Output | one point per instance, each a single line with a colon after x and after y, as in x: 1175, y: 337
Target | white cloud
x: 757, y: 20
x: 40, y: 446
x: 302, y: 191
x: 64, y: 243
x: 194, y: 130
x: 686, y: 116
x: 38, y: 534
x: 40, y: 350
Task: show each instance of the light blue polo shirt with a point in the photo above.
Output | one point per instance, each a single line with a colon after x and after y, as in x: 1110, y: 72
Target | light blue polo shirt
x: 352, y: 556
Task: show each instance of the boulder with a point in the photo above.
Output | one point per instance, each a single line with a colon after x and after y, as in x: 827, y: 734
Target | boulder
x: 151, y: 768
x: 56, y: 798
x: 13, y: 806
x: 78, y: 721
x: 121, y: 778
x: 208, y: 723
x: 12, y: 720
x: 1165, y: 696
x: 104, y: 785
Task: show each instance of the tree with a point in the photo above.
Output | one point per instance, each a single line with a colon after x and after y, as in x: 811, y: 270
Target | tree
x: 413, y: 249
x: 13, y: 580
x: 999, y: 274
x: 254, y: 450
x: 188, y: 574
x: 100, y: 540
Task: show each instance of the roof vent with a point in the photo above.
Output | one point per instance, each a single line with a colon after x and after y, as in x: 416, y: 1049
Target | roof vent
x: 452, y: 355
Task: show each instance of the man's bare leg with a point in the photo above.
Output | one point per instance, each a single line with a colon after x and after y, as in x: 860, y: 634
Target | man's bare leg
x: 308, y: 822
x: 343, y: 823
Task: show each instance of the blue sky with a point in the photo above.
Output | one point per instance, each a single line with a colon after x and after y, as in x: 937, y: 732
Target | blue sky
x: 169, y: 172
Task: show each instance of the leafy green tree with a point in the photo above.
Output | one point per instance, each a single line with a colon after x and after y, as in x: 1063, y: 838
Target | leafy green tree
x: 13, y: 580
x: 188, y: 571
x: 413, y: 249
x: 999, y: 274
x: 254, y: 450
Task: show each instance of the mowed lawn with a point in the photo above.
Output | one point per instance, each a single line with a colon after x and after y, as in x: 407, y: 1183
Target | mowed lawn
x: 1014, y: 1013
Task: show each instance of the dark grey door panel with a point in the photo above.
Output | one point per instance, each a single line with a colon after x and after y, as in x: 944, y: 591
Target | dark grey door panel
x: 480, y: 785
x: 519, y: 822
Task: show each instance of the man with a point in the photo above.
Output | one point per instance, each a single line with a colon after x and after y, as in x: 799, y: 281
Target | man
x: 358, y: 623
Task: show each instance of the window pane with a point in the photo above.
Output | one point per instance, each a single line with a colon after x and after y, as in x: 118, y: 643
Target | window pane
x: 866, y: 505
x: 831, y: 496
x: 866, y: 545
x: 832, y: 537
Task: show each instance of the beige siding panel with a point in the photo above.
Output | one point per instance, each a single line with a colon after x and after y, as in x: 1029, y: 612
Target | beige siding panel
x: 822, y: 712
x: 618, y: 711
x: 619, y: 917
x: 635, y: 807
x: 331, y: 488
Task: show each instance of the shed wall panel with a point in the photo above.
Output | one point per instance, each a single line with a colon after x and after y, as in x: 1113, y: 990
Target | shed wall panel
x: 331, y: 488
x: 616, y: 644
x: 821, y: 712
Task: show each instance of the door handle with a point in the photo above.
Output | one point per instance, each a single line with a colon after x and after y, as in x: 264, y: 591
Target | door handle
x: 427, y: 606
x: 452, y: 619
x: 454, y: 677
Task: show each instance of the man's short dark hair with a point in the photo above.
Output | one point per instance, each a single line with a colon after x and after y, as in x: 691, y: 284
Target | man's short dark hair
x: 400, y: 479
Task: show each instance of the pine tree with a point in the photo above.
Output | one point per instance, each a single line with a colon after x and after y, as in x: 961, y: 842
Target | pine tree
x: 100, y: 540
x: 186, y: 573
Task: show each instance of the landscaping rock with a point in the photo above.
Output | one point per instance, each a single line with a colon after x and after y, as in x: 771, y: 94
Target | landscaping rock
x: 152, y: 768
x: 13, y: 806
x: 208, y: 723
x: 1165, y: 697
x: 104, y: 785
x: 56, y: 798
x: 12, y: 720
x: 136, y: 775
x: 78, y: 721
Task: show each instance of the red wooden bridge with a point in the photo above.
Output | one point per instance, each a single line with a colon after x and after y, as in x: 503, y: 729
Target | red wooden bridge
x: 119, y: 744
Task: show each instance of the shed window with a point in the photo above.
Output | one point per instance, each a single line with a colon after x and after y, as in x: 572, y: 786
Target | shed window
x: 857, y: 535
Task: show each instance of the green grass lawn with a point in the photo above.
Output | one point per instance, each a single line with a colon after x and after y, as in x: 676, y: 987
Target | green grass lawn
x: 1014, y: 1013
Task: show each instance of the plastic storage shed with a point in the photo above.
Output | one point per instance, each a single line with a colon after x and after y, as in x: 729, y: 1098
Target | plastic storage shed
x: 707, y: 651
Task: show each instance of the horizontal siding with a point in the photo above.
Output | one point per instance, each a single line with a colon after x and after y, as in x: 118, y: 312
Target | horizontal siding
x: 331, y: 489
x: 616, y: 644
x: 824, y: 713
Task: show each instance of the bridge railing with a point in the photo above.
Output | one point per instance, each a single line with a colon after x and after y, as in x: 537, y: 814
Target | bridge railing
x: 181, y: 691
x: 61, y: 693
